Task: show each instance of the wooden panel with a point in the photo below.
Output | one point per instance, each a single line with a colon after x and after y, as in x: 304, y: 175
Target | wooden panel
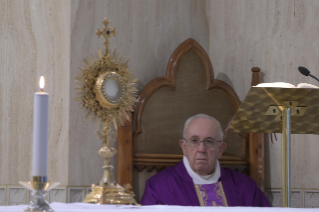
x: 256, y: 159
x: 256, y: 147
x: 170, y: 81
x: 189, y: 88
x: 168, y: 156
x: 125, y: 154
x: 160, y: 164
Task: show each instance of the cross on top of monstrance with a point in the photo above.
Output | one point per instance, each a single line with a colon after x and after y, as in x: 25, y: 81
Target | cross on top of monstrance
x: 106, y: 32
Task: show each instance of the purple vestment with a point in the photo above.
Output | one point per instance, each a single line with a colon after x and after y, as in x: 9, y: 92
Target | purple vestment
x: 174, y: 186
x: 211, y: 194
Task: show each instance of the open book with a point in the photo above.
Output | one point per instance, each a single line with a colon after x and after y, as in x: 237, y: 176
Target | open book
x: 285, y: 85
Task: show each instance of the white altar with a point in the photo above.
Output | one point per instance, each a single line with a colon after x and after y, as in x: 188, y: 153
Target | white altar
x: 85, y: 207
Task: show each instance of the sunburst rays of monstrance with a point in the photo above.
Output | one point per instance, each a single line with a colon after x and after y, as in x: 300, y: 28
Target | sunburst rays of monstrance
x: 108, y: 92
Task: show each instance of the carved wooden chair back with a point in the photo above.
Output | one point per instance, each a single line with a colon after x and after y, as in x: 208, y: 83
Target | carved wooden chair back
x: 150, y: 142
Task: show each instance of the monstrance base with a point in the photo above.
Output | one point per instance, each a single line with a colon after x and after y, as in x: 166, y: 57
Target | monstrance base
x: 110, y: 194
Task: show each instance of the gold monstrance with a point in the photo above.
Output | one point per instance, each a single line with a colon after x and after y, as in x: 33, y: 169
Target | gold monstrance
x: 109, y: 93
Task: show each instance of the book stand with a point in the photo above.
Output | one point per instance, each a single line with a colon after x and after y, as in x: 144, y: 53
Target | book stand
x: 279, y: 110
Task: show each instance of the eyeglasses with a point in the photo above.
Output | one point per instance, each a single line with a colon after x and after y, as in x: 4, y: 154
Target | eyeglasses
x: 208, y: 142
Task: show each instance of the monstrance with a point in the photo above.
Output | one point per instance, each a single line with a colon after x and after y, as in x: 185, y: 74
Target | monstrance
x: 108, y: 92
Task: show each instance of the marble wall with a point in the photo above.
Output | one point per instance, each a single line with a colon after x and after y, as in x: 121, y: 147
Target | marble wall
x: 277, y: 36
x: 35, y: 40
x: 52, y: 37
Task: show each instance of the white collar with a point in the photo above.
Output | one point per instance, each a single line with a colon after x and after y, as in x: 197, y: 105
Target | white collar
x: 202, y: 179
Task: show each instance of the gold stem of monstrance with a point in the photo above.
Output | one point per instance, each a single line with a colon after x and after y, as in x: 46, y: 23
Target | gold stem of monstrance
x: 108, y: 191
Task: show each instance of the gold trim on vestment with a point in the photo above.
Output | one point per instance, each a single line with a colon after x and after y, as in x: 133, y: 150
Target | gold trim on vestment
x: 203, y: 194
x: 219, y: 192
x: 199, y: 196
x: 224, y: 196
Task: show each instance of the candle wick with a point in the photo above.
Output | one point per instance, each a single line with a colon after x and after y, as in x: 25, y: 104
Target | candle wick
x: 41, y: 89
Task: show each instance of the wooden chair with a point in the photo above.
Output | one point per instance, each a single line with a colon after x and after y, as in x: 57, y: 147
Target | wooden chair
x: 149, y: 143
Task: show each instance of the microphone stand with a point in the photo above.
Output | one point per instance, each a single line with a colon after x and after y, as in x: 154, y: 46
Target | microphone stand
x: 313, y: 77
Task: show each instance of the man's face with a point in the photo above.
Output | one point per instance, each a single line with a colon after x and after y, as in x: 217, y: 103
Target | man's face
x: 201, y: 159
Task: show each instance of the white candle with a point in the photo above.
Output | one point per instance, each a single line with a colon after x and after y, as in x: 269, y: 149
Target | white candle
x: 40, y: 131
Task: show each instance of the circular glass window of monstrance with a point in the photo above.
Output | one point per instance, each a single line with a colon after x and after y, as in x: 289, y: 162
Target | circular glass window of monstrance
x: 109, y: 89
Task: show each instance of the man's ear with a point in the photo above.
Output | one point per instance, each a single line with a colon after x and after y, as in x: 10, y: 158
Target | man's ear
x: 182, y: 144
x: 221, y: 149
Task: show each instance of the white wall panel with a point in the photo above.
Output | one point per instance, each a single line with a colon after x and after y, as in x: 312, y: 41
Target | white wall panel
x: 277, y: 36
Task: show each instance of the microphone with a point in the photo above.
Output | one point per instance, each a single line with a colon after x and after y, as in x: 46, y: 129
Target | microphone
x: 303, y: 70
x: 306, y: 72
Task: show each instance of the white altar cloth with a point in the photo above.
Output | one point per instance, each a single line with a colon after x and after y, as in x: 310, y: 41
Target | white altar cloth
x: 85, y: 207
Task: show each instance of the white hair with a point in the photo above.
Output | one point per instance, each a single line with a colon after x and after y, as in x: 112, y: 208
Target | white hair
x: 201, y: 115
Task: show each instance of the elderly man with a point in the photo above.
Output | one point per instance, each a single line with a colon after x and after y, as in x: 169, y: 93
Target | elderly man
x: 198, y: 180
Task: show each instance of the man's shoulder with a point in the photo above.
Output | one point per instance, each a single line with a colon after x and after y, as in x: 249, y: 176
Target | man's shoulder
x: 235, y: 176
x: 170, y: 186
x: 164, y: 175
x: 243, y: 189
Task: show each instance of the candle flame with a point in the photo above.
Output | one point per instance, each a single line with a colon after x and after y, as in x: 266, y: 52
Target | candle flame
x: 41, y: 83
